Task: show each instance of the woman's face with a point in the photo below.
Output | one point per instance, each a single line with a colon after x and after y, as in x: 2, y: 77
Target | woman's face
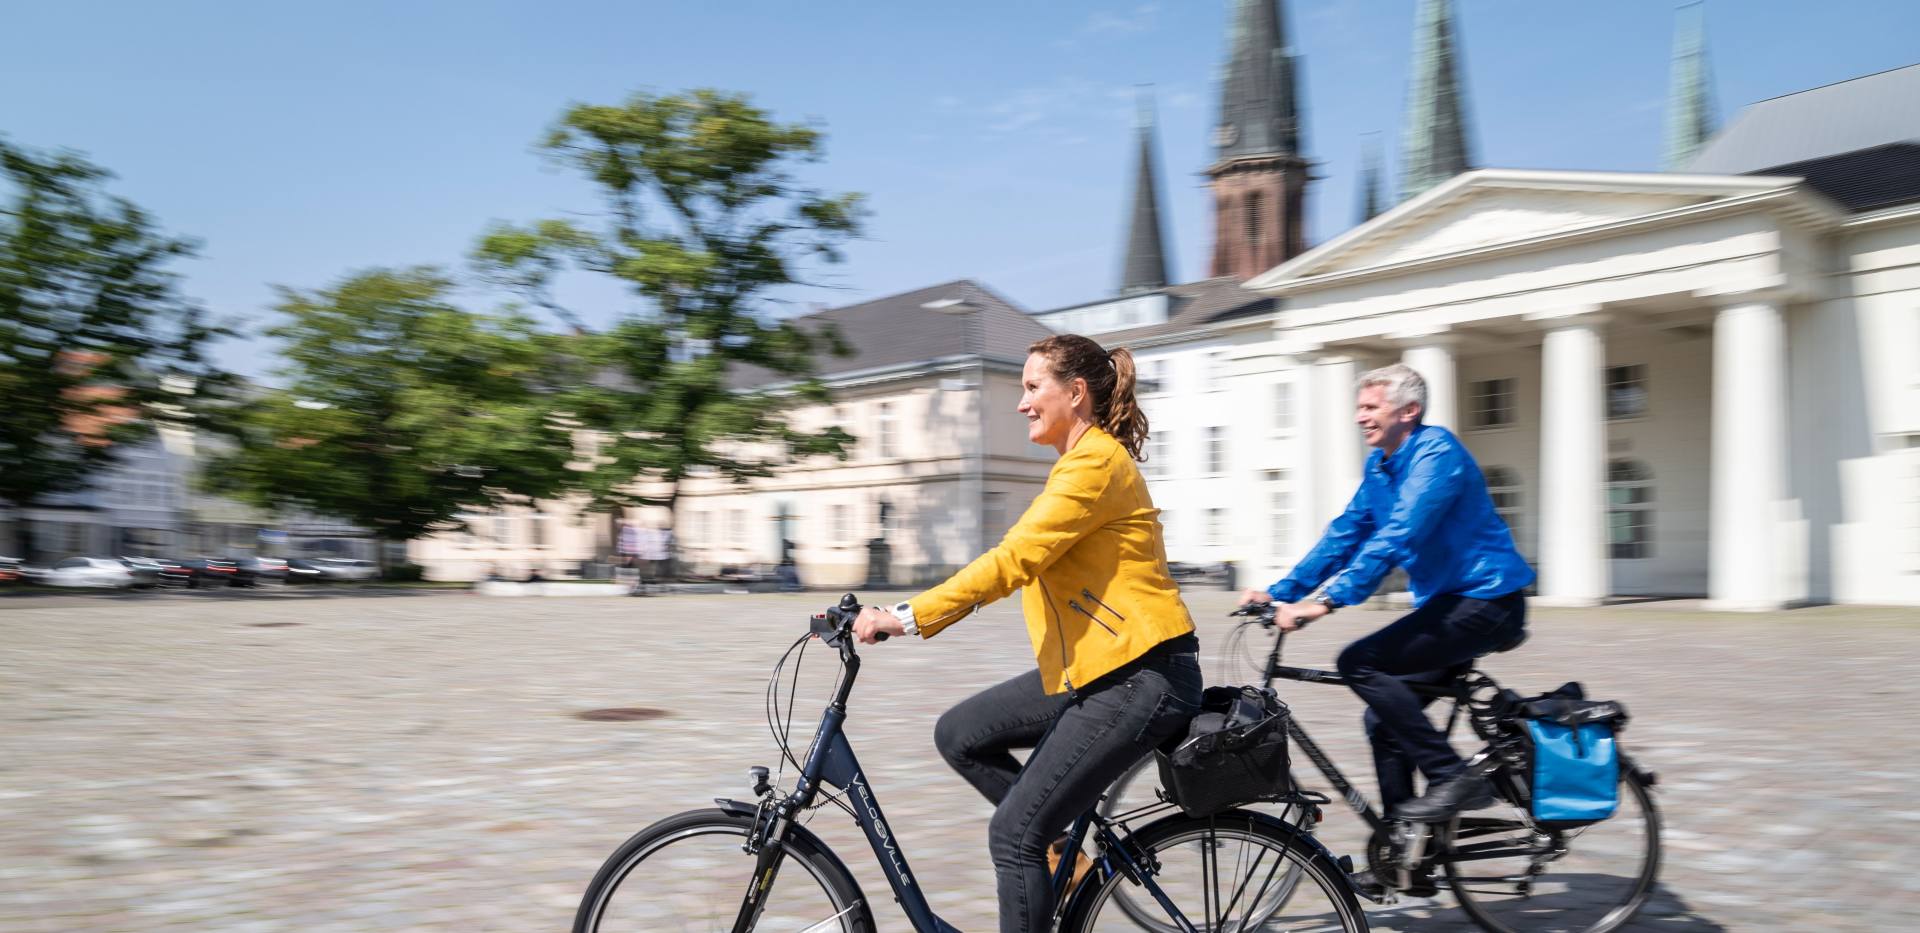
x: 1051, y: 406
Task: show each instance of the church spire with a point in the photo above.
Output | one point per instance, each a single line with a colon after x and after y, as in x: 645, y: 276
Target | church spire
x: 1691, y: 116
x: 1259, y: 105
x: 1436, y: 146
x: 1144, y: 267
x: 1259, y: 175
x: 1371, y: 203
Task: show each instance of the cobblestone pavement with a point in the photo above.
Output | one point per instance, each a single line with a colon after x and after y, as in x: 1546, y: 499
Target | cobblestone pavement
x: 284, y: 762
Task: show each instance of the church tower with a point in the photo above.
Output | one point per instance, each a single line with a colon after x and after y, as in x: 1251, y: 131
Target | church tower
x: 1437, y: 145
x: 1691, y: 117
x: 1144, y: 266
x: 1259, y: 178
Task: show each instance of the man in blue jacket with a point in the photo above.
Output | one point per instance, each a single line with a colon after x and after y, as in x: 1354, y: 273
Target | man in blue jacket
x: 1422, y: 506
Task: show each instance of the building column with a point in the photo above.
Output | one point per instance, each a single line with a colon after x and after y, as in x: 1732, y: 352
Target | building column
x: 1336, y: 439
x: 1749, y: 455
x: 1431, y: 355
x: 1573, y: 456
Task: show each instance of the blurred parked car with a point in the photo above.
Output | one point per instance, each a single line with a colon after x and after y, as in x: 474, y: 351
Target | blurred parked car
x: 9, y: 570
x: 301, y: 570
x: 89, y: 572
x: 266, y: 569
x: 345, y: 568
x: 146, y: 570
x: 1196, y: 575
x: 207, y: 572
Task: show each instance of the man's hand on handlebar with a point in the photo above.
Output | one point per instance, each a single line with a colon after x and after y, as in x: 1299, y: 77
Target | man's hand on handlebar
x: 1293, y: 617
x: 874, y: 624
x: 1252, y: 597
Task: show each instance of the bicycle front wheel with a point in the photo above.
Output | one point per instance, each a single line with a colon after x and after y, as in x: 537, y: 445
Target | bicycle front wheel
x: 689, y: 874
x: 1512, y: 876
x: 1232, y: 871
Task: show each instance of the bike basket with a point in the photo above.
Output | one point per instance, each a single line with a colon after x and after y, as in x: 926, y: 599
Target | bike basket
x: 1575, y: 773
x: 1234, y: 752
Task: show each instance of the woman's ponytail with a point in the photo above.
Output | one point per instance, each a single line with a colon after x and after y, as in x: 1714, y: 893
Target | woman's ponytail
x: 1110, y: 378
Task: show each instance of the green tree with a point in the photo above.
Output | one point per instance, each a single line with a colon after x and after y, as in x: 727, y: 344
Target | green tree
x: 704, y: 226
x: 400, y: 411
x: 94, y: 332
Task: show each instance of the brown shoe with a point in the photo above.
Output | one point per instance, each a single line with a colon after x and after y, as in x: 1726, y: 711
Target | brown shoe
x: 1081, y: 863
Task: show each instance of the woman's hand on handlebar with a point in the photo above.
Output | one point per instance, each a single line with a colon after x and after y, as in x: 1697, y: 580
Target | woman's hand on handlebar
x: 1249, y: 597
x: 875, y: 623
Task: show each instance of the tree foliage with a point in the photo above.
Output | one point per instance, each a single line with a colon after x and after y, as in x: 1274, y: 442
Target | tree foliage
x: 93, y: 328
x: 704, y: 224
x: 400, y: 411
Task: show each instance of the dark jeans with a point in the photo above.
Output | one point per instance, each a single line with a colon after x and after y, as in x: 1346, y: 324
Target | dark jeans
x: 1113, y: 723
x: 1431, y: 644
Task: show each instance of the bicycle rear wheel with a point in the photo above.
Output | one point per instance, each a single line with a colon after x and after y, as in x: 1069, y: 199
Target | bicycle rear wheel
x: 688, y: 873
x: 1512, y: 877
x: 1232, y: 871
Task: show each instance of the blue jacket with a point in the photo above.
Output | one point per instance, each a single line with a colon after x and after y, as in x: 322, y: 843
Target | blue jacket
x: 1425, y: 509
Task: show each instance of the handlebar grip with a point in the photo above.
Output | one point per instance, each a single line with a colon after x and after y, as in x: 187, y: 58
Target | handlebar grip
x: 881, y: 636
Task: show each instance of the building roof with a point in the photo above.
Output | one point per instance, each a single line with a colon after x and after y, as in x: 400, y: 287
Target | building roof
x: 900, y: 330
x: 1259, y: 96
x: 1193, y: 305
x: 1863, y: 113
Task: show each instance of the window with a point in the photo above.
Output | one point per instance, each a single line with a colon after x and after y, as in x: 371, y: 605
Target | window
x: 1629, y: 510
x: 737, y: 527
x: 1492, y: 403
x: 1503, y: 486
x: 1283, y: 406
x: 1255, y: 221
x: 1216, y: 527
x: 1910, y: 530
x: 1217, y: 449
x: 1151, y: 377
x: 1626, y: 391
x: 1280, y: 512
x: 842, y: 518
x: 1157, y: 453
x: 502, y: 530
x: 1216, y: 363
x: 1166, y: 526
x: 537, y: 528
x: 884, y: 428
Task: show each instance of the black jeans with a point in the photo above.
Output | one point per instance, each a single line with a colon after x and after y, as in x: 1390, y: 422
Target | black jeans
x: 1431, y: 644
x: 1112, y: 723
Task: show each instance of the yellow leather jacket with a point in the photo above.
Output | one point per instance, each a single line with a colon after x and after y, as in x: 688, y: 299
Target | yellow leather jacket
x: 1090, y: 554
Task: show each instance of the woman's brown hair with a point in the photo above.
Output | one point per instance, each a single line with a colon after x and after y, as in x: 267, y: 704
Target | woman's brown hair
x: 1109, y: 376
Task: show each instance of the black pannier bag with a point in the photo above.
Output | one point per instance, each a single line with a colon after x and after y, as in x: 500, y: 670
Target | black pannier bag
x: 1234, y: 752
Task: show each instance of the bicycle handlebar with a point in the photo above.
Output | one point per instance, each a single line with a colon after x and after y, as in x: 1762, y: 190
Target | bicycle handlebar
x: 834, y: 625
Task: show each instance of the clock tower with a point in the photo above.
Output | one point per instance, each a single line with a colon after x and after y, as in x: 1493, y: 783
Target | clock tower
x: 1259, y: 178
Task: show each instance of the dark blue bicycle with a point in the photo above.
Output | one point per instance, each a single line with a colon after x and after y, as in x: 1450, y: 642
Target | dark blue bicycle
x: 754, y: 865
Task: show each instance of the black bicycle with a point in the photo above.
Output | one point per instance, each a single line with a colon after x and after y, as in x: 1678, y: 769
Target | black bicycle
x: 754, y: 865
x: 1510, y: 872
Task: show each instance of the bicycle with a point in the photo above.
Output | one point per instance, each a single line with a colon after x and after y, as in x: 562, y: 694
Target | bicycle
x: 723, y: 868
x: 1517, y: 893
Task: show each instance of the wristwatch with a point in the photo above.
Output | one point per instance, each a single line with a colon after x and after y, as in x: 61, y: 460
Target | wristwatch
x: 904, y: 612
x: 1329, y: 602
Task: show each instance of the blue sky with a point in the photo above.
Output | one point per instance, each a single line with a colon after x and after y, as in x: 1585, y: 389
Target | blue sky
x: 299, y: 142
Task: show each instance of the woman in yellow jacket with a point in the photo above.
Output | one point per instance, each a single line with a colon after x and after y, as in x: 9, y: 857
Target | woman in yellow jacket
x: 1118, y: 661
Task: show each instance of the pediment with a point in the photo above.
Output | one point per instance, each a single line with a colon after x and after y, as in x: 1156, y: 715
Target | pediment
x: 1489, y: 208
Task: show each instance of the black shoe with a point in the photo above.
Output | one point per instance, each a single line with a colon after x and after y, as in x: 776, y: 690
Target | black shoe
x: 1369, y: 886
x: 1442, y: 801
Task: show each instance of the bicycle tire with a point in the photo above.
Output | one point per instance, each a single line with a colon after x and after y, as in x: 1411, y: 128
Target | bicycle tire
x: 1610, y: 917
x: 1328, y: 902
x: 719, y: 892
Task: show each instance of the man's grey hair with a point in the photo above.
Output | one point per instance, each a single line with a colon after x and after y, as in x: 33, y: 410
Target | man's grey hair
x: 1404, y: 386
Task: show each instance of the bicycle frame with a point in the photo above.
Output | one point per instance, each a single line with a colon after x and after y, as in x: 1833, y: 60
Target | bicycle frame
x: 1354, y: 798
x: 831, y: 760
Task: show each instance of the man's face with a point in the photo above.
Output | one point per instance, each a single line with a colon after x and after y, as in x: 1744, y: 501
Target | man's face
x: 1381, y: 424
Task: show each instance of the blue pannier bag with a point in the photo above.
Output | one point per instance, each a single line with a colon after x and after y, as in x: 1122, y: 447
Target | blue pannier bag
x: 1576, y: 765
